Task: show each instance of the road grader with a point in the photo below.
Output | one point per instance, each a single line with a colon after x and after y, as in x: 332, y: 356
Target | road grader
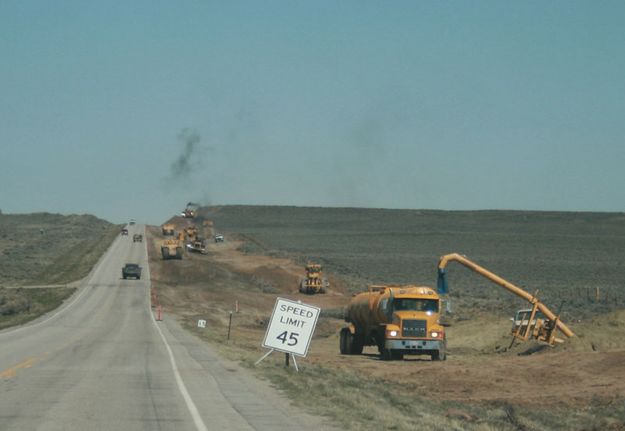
x: 313, y: 282
x: 168, y: 229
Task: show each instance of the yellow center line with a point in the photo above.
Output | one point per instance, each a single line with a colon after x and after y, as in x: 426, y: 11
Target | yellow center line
x: 27, y: 363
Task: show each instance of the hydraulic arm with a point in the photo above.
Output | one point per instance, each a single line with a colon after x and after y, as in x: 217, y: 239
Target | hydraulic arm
x: 443, y: 287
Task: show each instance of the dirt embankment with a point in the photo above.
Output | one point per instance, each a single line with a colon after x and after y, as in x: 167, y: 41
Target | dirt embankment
x: 481, y: 368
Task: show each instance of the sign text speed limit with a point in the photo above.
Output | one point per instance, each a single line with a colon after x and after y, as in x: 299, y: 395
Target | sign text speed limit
x: 291, y: 327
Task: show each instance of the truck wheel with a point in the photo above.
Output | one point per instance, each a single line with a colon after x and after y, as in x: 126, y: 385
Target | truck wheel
x: 397, y: 355
x: 385, y: 354
x: 438, y: 355
x: 357, y: 344
x: 344, y: 337
x: 124, y: 277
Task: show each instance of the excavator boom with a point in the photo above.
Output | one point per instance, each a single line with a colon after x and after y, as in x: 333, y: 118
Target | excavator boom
x: 443, y: 288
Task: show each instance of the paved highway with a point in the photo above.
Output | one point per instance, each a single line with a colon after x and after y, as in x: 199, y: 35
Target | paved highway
x: 101, y: 362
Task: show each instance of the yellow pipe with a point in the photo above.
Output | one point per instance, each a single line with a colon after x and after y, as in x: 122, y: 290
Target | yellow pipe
x: 442, y: 263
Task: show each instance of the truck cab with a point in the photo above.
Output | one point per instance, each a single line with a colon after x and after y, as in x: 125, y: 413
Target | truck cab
x: 399, y: 320
x: 414, y: 327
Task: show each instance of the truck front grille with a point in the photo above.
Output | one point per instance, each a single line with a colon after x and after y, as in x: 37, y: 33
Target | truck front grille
x: 414, y: 328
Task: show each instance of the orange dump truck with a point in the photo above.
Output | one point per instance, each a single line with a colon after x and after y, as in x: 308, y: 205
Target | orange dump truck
x: 399, y: 320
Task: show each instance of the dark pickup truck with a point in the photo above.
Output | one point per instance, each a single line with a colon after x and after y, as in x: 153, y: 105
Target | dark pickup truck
x: 137, y: 237
x: 131, y: 270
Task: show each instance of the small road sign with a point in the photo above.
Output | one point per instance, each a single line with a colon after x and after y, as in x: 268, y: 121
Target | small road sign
x: 201, y: 323
x: 291, y: 327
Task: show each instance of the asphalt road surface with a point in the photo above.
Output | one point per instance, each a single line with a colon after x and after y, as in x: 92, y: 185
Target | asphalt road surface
x: 101, y: 362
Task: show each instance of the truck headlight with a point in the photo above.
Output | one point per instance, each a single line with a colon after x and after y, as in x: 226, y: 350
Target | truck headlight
x: 393, y: 333
x: 434, y: 334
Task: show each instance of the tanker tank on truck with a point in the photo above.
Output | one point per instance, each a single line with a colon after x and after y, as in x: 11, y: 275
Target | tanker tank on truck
x: 399, y: 320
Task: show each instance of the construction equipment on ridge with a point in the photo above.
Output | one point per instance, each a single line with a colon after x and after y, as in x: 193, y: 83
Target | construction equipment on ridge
x: 190, y: 211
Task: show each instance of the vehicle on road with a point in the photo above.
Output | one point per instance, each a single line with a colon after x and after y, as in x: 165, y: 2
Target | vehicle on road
x: 131, y: 270
x: 137, y: 237
x: 132, y: 222
x: 219, y: 238
x: 124, y: 231
x: 399, y: 320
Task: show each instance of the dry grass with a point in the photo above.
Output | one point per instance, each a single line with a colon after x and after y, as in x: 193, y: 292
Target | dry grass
x: 47, y: 248
x: 360, y: 402
x: 18, y: 306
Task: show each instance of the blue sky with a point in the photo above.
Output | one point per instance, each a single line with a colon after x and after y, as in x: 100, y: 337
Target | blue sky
x: 398, y: 104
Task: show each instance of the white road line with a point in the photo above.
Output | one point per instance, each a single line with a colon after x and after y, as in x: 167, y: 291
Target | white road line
x: 195, y: 414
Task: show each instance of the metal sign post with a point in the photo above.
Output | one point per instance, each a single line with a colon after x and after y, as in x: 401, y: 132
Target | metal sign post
x: 290, y: 329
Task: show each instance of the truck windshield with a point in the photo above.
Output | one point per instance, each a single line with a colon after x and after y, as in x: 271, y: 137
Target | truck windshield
x: 413, y: 304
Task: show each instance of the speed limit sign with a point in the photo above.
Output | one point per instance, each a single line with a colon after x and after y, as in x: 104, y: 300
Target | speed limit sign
x: 291, y: 327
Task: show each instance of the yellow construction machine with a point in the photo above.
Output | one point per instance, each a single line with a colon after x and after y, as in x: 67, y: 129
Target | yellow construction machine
x: 538, y: 322
x: 190, y: 211
x: 168, y: 229
x: 399, y: 320
x: 313, y: 282
x: 171, y: 249
x: 191, y: 233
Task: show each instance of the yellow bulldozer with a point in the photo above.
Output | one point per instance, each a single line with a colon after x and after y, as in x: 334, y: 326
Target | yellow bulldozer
x: 191, y: 233
x: 171, y: 249
x: 313, y: 282
x: 168, y: 229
